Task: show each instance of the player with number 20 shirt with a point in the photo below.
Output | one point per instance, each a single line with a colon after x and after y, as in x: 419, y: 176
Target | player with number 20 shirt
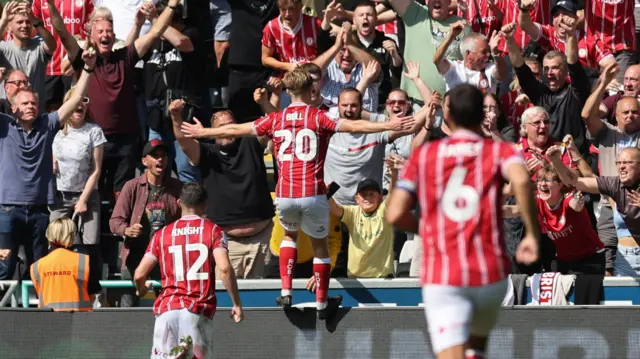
x: 300, y: 135
x: 457, y: 183
x: 188, y: 252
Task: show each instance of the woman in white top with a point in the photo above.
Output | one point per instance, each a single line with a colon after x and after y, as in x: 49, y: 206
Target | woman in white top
x: 77, y: 161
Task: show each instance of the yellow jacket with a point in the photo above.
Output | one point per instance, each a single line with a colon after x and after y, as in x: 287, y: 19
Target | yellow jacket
x: 305, y: 250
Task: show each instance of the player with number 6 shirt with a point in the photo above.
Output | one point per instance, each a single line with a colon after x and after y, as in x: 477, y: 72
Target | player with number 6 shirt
x: 457, y: 182
x: 188, y: 251
x: 300, y: 135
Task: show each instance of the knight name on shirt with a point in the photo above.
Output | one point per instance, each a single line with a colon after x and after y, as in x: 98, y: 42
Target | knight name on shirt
x: 461, y: 149
x: 186, y: 231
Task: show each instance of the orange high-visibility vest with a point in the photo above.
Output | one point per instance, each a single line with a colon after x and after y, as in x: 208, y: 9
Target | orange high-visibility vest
x: 61, y: 279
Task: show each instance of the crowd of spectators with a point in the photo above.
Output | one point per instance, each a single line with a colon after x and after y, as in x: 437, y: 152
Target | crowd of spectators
x: 102, y: 100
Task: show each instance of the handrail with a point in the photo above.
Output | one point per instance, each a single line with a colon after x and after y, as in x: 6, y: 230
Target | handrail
x: 275, y: 284
x: 10, y: 293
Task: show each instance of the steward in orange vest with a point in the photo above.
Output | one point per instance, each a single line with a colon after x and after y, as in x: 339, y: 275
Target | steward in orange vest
x: 62, y: 278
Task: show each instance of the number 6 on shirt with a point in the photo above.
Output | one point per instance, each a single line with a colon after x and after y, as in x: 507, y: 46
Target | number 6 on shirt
x: 459, y: 201
x: 194, y: 270
x: 305, y: 133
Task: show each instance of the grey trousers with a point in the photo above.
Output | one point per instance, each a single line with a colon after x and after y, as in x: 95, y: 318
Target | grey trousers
x: 64, y: 208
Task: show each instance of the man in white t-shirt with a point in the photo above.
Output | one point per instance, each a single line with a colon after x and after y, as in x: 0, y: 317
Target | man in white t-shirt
x: 475, y: 69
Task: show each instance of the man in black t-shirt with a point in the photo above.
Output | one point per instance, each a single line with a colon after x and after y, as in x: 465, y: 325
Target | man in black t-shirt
x: 169, y: 66
x: 235, y: 176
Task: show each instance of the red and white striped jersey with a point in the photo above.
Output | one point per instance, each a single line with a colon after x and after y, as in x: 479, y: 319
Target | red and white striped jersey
x: 590, y: 49
x: 458, y: 184
x: 612, y: 21
x: 300, y: 136
x: 510, y: 8
x: 482, y: 19
x: 388, y: 28
x: 184, y: 251
x: 295, y: 46
x: 75, y: 13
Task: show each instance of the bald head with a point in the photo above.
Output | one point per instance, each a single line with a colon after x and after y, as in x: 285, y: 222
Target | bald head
x: 628, y: 115
x: 632, y: 81
x: 632, y: 153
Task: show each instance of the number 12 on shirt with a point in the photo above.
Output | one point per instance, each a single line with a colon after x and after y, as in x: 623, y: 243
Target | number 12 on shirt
x: 193, y: 271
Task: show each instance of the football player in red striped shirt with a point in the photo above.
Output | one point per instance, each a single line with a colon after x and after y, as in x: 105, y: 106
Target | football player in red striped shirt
x: 457, y: 182
x: 300, y: 135
x: 188, y: 252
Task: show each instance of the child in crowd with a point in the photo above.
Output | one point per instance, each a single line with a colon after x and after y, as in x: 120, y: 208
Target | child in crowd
x: 370, y: 236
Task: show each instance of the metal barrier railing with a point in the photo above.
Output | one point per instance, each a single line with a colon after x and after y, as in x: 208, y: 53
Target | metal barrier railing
x: 104, y: 283
x: 10, y: 294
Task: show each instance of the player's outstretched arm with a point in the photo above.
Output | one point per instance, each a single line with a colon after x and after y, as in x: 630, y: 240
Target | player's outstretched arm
x: 362, y: 126
x: 228, y: 278
x: 142, y: 273
x: 399, y: 205
x: 227, y: 131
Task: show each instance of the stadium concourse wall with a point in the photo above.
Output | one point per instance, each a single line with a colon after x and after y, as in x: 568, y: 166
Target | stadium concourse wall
x: 358, y: 333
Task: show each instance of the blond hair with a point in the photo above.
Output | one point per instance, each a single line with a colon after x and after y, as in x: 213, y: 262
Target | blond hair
x: 297, y: 81
x: 61, y: 232
x: 67, y: 121
x: 101, y: 13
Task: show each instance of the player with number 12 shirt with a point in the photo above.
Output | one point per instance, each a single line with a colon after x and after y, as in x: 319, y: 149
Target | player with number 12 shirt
x: 188, y: 252
x: 457, y: 183
x: 300, y: 135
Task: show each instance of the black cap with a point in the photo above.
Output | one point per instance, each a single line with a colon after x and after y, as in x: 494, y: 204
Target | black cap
x: 567, y: 5
x: 151, y: 146
x: 369, y: 184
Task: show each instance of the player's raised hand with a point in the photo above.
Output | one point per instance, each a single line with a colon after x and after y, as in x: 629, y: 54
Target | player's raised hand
x: 237, y: 314
x: 192, y: 130
x: 527, y: 251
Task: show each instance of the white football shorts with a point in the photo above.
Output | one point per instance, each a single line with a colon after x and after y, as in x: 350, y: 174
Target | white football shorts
x: 456, y: 313
x: 311, y: 214
x: 175, y: 324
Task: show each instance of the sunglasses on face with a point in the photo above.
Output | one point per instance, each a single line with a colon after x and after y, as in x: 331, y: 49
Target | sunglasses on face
x: 396, y: 102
